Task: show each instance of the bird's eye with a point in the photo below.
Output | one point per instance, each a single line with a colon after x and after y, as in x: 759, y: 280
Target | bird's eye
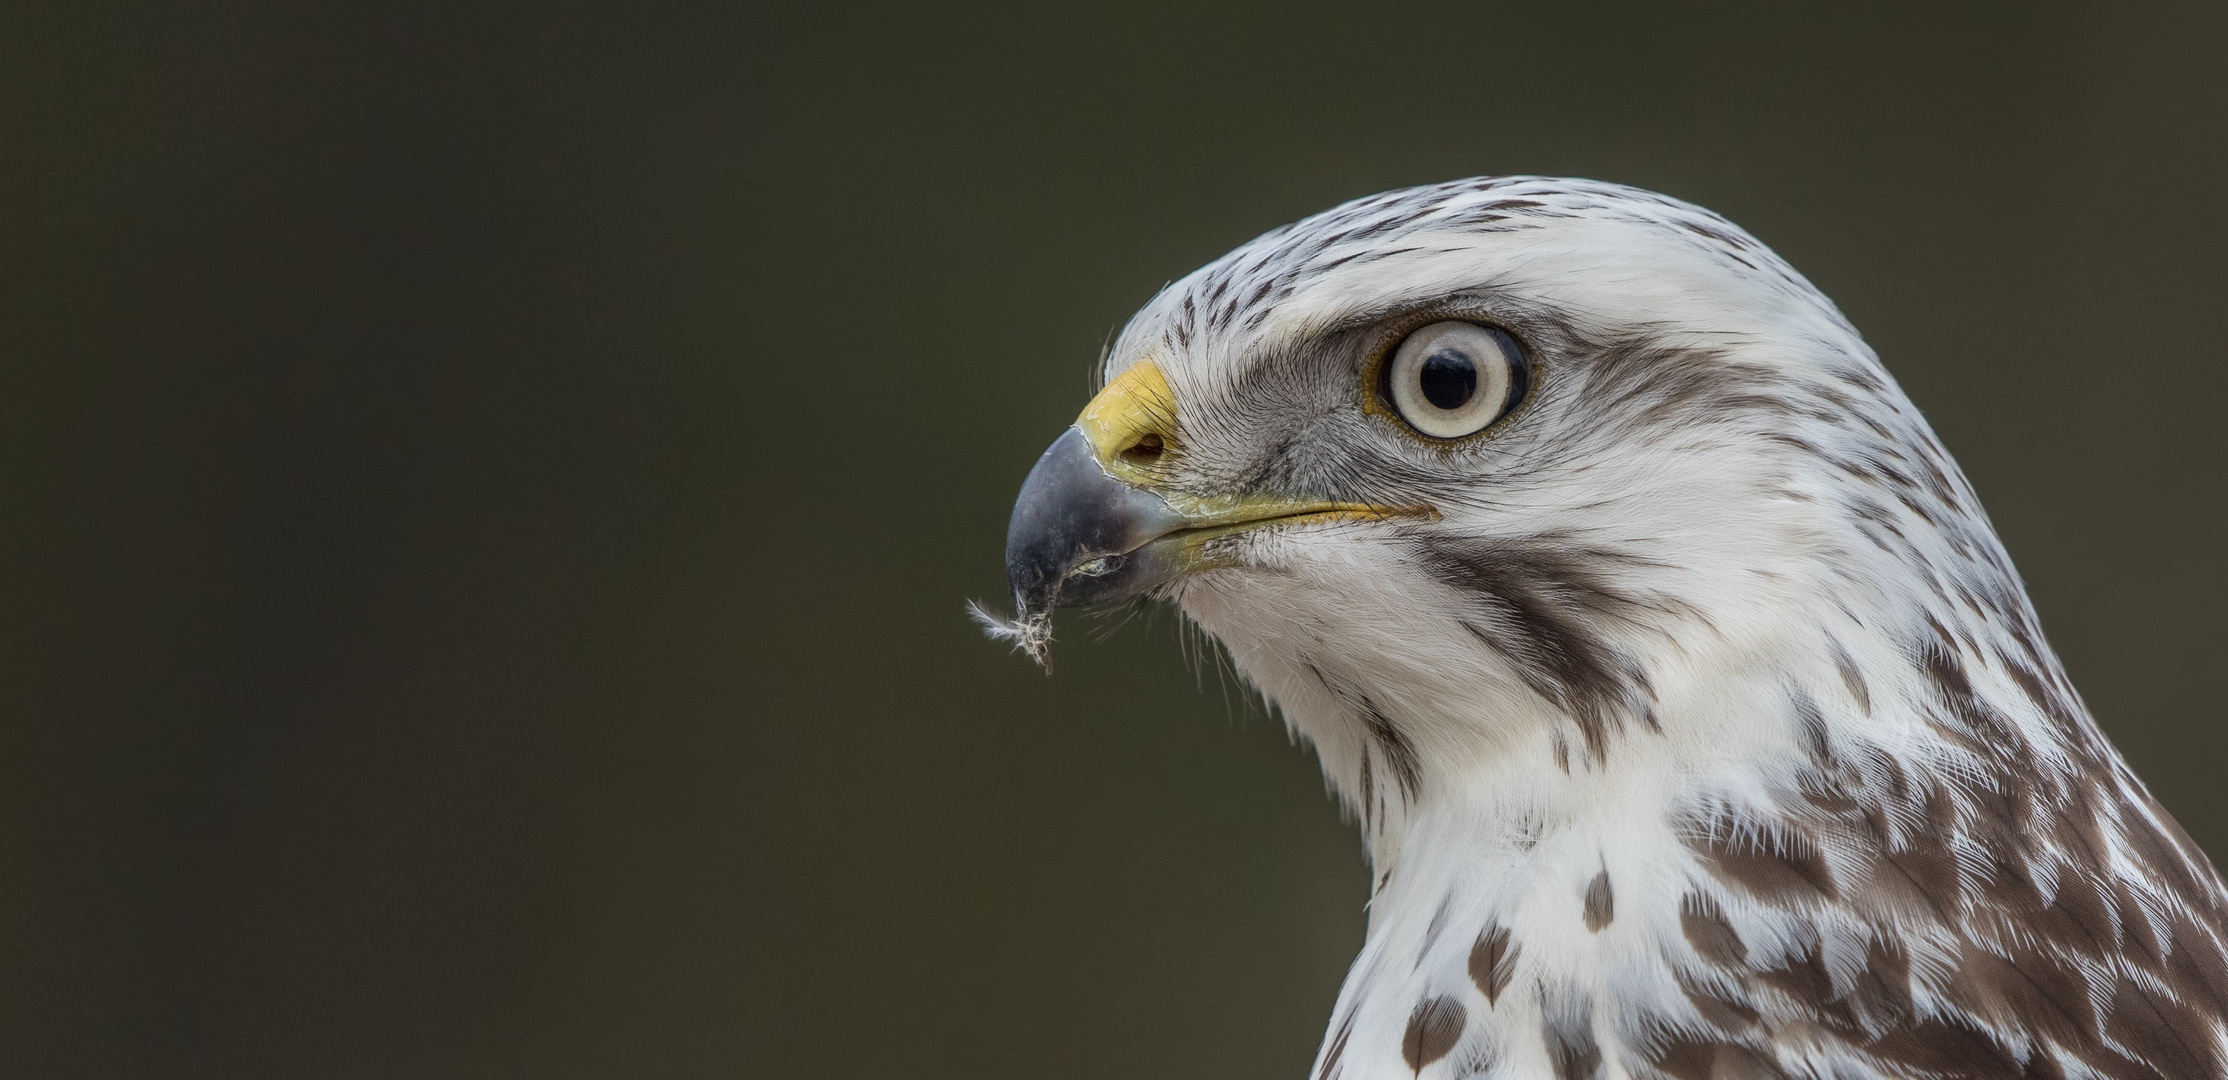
x: 1451, y: 379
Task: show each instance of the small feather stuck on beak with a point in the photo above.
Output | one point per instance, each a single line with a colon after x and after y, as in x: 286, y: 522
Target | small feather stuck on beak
x: 1029, y: 632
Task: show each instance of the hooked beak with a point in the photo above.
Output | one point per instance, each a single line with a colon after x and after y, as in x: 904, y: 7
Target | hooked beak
x: 1097, y: 520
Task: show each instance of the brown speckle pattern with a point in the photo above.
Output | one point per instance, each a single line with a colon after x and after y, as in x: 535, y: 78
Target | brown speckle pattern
x: 1492, y: 962
x: 1601, y: 902
x: 1433, y: 1029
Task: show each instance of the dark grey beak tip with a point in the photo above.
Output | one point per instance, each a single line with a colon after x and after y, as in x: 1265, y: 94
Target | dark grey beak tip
x: 1074, y: 530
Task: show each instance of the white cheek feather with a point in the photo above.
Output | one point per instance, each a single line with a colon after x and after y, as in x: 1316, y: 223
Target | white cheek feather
x: 1709, y: 733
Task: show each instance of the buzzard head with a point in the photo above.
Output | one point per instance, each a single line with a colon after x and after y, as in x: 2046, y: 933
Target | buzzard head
x: 1694, y: 717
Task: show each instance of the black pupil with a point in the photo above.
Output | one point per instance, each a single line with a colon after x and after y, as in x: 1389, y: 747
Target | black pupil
x: 1448, y: 379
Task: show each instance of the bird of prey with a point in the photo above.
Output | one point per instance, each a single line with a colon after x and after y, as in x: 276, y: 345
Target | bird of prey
x: 1696, y: 723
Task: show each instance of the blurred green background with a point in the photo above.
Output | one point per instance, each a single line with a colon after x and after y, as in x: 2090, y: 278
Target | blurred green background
x: 486, y: 492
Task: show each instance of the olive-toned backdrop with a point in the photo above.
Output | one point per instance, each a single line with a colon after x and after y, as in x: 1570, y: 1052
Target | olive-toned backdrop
x: 486, y: 492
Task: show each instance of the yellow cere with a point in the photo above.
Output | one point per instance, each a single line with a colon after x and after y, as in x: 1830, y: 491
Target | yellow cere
x: 1136, y: 405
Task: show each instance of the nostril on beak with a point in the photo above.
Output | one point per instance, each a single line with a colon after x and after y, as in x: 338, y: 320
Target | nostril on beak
x: 1131, y: 424
x: 1145, y: 450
